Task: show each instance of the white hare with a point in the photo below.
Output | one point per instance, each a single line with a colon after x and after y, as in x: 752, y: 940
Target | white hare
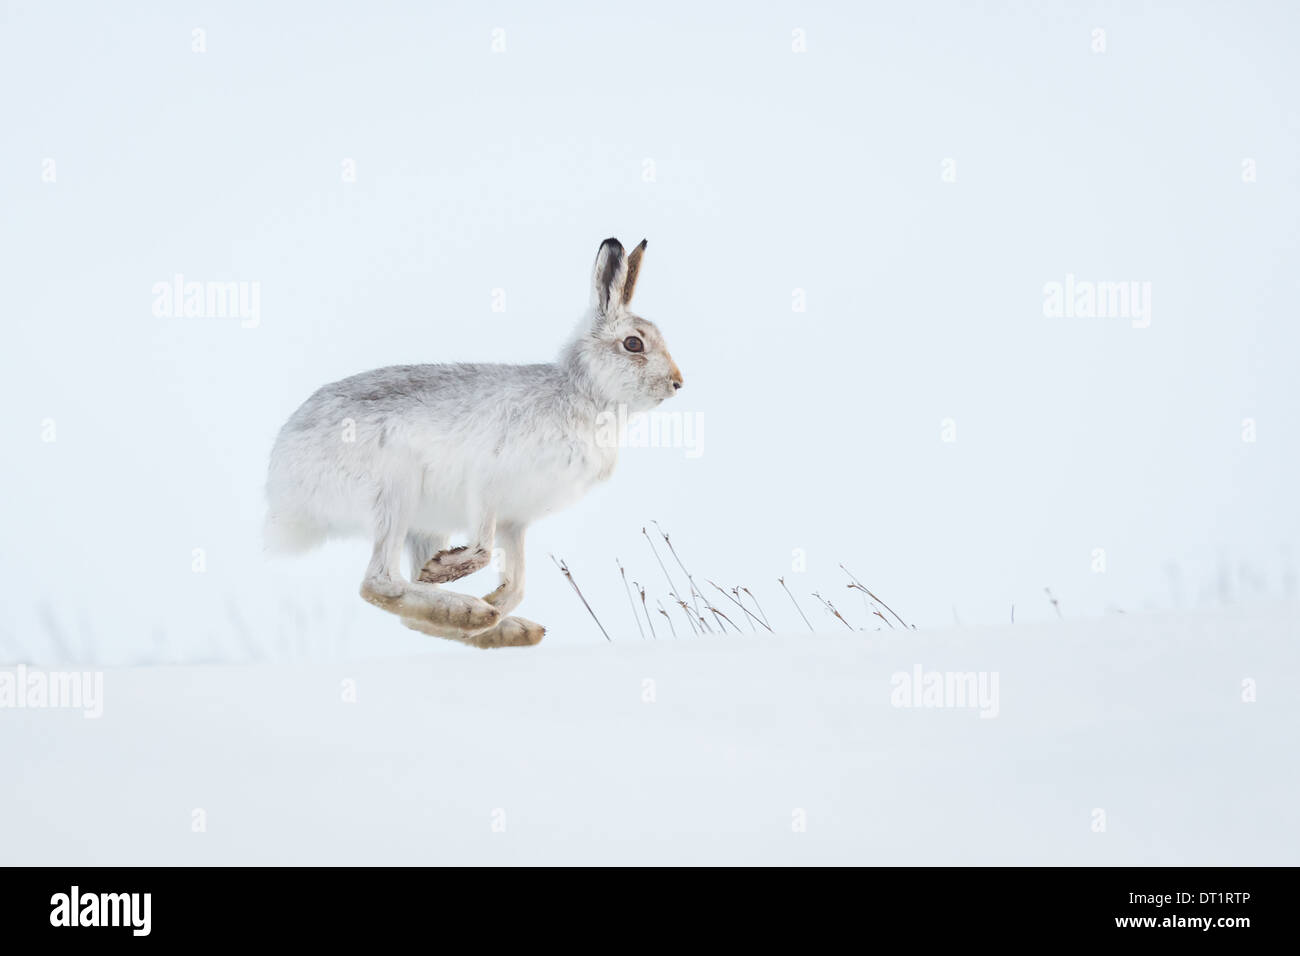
x: 413, y: 454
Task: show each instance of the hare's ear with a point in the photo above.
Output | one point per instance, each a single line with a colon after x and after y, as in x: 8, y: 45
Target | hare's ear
x: 633, y: 269
x: 609, y: 276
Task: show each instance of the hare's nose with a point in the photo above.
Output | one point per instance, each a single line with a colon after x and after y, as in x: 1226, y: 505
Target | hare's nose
x: 676, y: 385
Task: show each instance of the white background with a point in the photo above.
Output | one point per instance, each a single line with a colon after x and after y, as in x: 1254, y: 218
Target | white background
x: 773, y: 171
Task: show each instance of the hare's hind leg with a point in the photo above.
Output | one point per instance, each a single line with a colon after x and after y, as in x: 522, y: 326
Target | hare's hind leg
x: 452, y: 564
x: 509, y: 631
x: 441, y: 613
x: 421, y: 546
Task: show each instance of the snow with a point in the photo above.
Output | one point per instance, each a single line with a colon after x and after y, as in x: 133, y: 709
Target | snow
x: 755, y: 749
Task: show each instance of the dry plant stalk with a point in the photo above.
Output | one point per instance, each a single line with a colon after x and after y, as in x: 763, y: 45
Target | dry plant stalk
x: 831, y: 607
x: 695, y: 614
x: 686, y: 609
x: 669, y: 542
x: 863, y: 588
x: 667, y: 618
x: 718, y: 614
x: 759, y: 606
x: 630, y: 602
x: 672, y: 589
x: 796, y: 605
x: 565, y: 569
x: 734, y: 598
x: 1055, y: 603
x: 646, y: 609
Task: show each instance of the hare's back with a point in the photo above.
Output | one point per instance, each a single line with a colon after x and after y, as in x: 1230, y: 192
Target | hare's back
x: 452, y: 392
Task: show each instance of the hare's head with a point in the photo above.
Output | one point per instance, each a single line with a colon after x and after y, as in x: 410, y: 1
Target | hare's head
x: 623, y: 356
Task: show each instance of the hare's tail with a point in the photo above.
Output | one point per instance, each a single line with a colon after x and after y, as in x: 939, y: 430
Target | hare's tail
x: 289, y: 534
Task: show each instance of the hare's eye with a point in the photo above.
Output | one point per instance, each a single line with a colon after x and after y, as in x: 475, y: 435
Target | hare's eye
x: 633, y: 344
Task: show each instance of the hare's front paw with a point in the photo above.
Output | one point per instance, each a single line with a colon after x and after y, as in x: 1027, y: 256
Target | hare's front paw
x: 511, y: 632
x: 453, y: 564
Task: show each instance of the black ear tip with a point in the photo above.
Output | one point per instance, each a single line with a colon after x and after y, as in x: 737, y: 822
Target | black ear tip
x: 612, y: 243
x: 644, y: 243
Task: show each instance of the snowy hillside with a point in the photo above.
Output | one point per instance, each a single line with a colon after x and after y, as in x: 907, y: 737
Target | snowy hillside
x: 1153, y: 739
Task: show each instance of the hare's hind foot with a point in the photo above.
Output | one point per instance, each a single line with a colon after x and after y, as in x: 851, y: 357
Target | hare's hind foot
x: 449, y: 614
x: 452, y: 564
x: 509, y: 632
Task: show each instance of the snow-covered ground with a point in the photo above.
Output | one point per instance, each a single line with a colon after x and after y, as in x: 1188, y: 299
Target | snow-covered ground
x: 1128, y: 739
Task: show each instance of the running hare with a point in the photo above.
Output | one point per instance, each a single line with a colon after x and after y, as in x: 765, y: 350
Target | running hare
x: 413, y: 454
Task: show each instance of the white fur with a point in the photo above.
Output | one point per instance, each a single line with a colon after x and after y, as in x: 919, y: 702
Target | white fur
x: 482, y: 450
